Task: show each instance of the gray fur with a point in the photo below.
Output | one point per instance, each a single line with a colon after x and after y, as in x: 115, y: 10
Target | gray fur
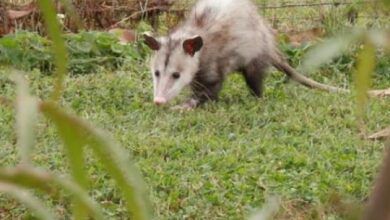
x: 235, y: 38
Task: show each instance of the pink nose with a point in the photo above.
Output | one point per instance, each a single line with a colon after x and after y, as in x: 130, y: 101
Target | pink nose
x: 159, y: 101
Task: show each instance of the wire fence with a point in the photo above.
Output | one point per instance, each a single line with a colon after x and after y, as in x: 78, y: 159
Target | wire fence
x: 294, y: 4
x: 283, y: 14
x: 299, y: 13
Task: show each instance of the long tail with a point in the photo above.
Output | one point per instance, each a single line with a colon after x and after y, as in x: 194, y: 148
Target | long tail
x: 282, y: 65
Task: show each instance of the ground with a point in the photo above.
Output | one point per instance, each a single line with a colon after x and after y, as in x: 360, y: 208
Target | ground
x: 225, y: 159
x: 222, y: 160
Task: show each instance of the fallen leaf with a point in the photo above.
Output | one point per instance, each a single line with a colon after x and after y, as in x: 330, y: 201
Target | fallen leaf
x: 125, y: 36
x: 13, y: 15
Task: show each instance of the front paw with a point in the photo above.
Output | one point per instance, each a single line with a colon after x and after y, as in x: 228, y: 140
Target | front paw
x: 187, y: 106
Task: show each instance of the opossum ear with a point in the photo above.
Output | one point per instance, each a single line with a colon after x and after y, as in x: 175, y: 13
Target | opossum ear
x: 152, y: 42
x: 193, y: 45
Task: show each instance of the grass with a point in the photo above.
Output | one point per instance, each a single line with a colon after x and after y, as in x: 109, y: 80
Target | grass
x: 222, y: 160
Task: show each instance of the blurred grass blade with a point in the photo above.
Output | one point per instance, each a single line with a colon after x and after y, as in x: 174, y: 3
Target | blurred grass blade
x: 34, y: 178
x: 49, y: 13
x: 378, y: 207
x: 363, y: 76
x: 111, y: 156
x: 28, y: 200
x: 387, y: 3
x: 328, y: 50
x: 26, y: 119
x: 74, y: 150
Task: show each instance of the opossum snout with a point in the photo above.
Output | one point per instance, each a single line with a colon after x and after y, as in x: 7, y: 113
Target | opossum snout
x: 159, y: 101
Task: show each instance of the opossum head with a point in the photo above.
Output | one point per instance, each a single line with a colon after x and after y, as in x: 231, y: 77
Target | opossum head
x: 174, y: 64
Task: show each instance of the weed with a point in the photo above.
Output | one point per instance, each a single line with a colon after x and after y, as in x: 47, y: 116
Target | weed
x: 88, y: 52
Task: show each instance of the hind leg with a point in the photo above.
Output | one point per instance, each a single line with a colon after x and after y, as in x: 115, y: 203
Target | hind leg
x: 254, y: 74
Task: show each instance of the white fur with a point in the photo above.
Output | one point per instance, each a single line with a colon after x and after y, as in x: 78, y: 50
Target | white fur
x: 238, y: 20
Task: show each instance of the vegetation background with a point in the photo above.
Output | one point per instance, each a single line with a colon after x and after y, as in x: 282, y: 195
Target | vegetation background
x: 221, y: 161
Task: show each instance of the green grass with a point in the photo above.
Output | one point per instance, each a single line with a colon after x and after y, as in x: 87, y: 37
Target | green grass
x: 222, y: 160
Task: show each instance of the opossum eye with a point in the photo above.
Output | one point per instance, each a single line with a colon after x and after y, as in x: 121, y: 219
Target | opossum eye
x: 176, y: 75
x: 157, y: 73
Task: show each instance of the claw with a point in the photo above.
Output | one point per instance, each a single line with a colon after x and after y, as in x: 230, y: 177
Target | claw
x: 189, y: 105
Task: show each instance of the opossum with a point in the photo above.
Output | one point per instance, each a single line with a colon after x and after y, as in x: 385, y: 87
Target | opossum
x: 219, y: 37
